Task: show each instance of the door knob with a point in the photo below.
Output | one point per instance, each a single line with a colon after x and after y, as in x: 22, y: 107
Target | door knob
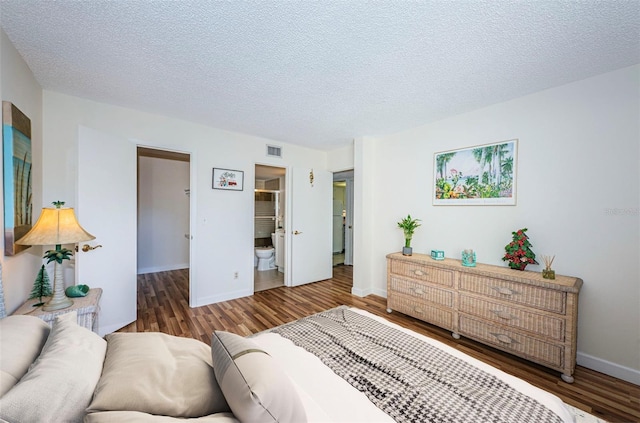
x: 297, y: 232
x: 87, y: 247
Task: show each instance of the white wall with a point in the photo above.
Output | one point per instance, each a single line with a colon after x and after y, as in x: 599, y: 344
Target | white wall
x: 367, y: 265
x: 163, y: 215
x: 221, y: 221
x: 18, y: 86
x: 578, y: 193
x: 340, y: 159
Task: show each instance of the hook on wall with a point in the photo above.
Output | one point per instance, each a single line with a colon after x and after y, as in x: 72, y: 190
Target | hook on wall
x: 311, y: 178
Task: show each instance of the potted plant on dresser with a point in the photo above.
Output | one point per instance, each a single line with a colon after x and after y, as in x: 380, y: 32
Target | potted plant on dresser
x: 408, y: 226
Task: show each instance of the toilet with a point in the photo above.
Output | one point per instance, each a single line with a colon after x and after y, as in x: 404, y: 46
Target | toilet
x: 266, y: 257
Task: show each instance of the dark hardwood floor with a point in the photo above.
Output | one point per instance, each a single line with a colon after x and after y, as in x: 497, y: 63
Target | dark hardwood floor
x: 163, y: 306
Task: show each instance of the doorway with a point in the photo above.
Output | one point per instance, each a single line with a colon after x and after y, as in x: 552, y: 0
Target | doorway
x: 342, y: 216
x: 269, y: 223
x: 163, y: 211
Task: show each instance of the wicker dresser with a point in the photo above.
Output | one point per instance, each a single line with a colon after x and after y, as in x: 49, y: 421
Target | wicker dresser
x: 516, y: 311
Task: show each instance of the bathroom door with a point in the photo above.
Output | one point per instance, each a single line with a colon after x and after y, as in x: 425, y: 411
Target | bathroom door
x: 106, y: 208
x: 311, y: 225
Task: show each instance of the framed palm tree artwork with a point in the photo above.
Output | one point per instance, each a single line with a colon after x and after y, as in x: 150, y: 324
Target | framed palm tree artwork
x: 480, y: 175
x: 16, y: 151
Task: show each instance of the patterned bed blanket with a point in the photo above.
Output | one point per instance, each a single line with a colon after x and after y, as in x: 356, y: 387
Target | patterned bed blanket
x: 410, y: 380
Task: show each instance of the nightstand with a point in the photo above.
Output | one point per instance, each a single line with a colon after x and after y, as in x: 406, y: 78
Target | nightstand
x: 87, y: 308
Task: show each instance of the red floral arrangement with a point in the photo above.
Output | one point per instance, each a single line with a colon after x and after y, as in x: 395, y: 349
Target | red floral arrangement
x: 518, y: 252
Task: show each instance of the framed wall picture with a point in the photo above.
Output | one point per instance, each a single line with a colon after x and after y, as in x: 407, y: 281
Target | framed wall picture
x: 227, y: 179
x: 16, y: 156
x: 480, y: 175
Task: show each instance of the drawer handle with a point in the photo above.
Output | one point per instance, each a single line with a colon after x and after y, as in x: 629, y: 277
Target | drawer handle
x: 419, y: 272
x: 418, y: 310
x: 418, y: 291
x: 504, y: 291
x: 504, y: 338
x: 503, y: 314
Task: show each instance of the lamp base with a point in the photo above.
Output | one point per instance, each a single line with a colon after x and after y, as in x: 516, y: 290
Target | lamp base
x: 59, y: 300
x: 57, y: 304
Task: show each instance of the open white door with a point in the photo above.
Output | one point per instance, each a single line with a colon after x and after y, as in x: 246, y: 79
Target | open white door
x: 311, y: 225
x: 106, y: 208
x: 348, y: 242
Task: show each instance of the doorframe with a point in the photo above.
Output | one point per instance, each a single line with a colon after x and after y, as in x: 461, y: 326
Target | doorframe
x: 288, y: 280
x: 347, y: 175
x: 192, y: 209
x: 287, y: 218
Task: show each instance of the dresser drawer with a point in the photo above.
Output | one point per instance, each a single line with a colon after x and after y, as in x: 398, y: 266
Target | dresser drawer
x: 422, y: 272
x: 512, y: 341
x: 421, y: 310
x: 420, y: 291
x: 531, y: 296
x: 516, y: 317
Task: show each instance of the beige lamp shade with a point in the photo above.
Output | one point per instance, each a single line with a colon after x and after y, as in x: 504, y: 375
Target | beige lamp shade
x: 56, y: 226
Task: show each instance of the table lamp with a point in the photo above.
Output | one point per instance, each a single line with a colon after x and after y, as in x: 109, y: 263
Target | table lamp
x: 56, y: 226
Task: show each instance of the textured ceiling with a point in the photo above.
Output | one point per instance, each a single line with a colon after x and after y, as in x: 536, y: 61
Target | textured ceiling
x: 317, y: 73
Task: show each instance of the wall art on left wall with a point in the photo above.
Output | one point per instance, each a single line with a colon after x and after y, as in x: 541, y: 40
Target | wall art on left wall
x: 16, y: 153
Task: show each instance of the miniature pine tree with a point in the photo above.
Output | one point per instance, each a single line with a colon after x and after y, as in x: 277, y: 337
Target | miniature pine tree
x: 41, y: 287
x: 518, y: 252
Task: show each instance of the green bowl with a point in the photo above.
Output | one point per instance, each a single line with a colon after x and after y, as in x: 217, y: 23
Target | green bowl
x: 77, y: 291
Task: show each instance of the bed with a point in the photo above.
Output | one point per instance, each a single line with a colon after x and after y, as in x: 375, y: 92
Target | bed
x: 328, y: 397
x: 341, y: 365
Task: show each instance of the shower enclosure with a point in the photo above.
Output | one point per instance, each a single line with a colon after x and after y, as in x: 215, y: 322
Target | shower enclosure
x: 267, y: 216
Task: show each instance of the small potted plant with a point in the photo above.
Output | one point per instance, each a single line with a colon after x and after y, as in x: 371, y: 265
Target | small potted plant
x: 408, y: 226
x: 518, y: 252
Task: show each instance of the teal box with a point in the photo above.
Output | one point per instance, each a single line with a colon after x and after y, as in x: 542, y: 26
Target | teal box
x: 437, y: 254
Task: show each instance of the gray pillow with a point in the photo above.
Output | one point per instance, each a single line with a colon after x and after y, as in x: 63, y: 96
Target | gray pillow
x: 156, y: 373
x: 255, y: 387
x: 59, y: 385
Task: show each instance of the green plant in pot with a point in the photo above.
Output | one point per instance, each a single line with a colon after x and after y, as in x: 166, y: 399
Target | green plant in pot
x: 408, y: 226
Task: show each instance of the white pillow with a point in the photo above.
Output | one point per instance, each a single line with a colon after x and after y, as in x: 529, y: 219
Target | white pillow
x: 256, y: 389
x: 21, y: 341
x: 138, y: 417
x: 59, y: 385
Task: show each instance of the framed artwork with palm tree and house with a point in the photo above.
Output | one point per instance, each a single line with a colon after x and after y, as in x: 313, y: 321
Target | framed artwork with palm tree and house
x: 480, y: 175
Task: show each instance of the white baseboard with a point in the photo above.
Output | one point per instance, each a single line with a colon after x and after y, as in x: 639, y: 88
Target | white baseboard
x: 199, y: 302
x: 360, y: 292
x: 608, y: 368
x: 364, y: 292
x: 166, y: 268
x: 380, y: 292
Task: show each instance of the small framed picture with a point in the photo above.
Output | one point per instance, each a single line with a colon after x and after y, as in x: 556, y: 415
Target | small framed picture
x: 227, y: 179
